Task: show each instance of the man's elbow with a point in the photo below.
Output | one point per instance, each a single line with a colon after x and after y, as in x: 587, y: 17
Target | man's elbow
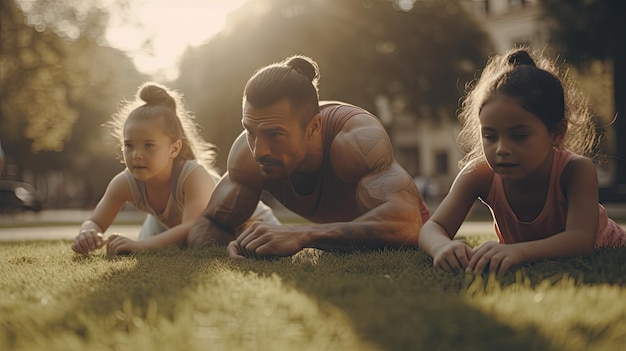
x: 198, y: 234
x: 406, y: 234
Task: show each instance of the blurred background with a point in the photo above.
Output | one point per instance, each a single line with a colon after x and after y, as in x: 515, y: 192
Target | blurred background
x: 65, y: 65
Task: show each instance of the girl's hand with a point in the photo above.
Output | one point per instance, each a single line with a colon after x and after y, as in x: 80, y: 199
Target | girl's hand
x: 499, y: 257
x: 453, y: 256
x: 119, y: 244
x: 88, y: 240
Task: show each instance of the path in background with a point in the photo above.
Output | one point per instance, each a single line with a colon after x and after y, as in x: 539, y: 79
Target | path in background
x: 63, y: 224
x: 68, y: 232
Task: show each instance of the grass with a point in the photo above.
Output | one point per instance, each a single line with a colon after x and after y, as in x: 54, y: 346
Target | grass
x: 175, y: 299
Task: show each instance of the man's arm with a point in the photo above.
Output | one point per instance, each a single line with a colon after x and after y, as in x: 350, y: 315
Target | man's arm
x: 386, y: 195
x: 234, y: 199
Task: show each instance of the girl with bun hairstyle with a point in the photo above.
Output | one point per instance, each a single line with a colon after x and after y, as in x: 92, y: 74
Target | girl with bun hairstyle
x: 169, y: 175
x: 525, y: 138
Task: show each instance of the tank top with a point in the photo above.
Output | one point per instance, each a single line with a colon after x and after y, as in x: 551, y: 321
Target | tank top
x: 331, y: 200
x: 173, y: 212
x: 552, y: 219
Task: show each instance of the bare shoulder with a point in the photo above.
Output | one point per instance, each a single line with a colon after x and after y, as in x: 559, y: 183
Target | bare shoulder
x: 474, y: 179
x: 242, y: 168
x: 119, y: 188
x: 199, y: 181
x: 579, y: 170
x: 360, y: 147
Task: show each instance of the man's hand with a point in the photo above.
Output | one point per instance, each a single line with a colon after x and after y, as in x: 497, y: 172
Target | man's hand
x: 119, y: 244
x: 453, y: 256
x: 265, y: 240
x: 88, y: 240
x: 499, y: 257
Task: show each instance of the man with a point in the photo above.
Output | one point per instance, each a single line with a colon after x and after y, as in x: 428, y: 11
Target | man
x: 329, y: 162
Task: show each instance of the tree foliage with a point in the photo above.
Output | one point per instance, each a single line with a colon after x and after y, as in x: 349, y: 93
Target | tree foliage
x: 588, y: 30
x: 35, y: 85
x: 57, y: 86
x: 423, y: 55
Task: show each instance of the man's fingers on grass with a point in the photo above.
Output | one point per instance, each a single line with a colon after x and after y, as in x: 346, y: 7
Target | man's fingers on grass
x: 233, y: 250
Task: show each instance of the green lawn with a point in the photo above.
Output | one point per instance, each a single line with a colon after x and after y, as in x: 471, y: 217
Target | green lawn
x: 388, y: 300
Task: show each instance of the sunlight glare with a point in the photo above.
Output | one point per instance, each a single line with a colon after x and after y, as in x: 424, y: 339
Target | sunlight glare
x: 161, y: 30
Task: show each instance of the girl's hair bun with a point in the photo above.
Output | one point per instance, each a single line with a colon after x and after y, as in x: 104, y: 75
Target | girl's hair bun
x: 304, y: 66
x: 521, y: 57
x: 153, y: 94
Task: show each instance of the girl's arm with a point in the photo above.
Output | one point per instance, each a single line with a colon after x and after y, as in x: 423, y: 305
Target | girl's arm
x: 197, y: 191
x: 580, y: 182
x: 436, y: 235
x: 90, y: 233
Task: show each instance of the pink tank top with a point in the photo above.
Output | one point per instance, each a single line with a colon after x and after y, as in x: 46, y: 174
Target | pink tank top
x: 553, y: 216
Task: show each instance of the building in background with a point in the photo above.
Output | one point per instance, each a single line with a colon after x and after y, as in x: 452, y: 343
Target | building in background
x: 511, y: 23
x: 426, y: 146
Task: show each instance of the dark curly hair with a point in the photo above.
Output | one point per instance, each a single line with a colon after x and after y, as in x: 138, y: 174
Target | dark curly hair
x: 540, y: 88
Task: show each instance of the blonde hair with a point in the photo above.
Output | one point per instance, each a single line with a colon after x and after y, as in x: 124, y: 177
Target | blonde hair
x: 541, y: 88
x: 156, y: 101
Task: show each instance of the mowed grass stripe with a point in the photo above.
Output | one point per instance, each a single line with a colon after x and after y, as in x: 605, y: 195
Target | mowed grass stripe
x: 175, y: 299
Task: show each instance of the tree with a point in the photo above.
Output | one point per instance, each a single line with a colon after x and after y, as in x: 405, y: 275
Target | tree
x: 424, y: 54
x: 35, y: 84
x: 588, y: 30
x: 57, y: 86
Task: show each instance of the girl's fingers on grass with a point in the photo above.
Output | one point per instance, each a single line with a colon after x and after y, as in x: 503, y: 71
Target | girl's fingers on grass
x: 462, y: 256
x: 84, y: 246
x: 453, y: 263
x: 482, y: 263
x: 101, y: 242
x: 495, y: 263
x: 443, y: 265
x: 505, y: 265
x: 112, y: 245
x: 478, y: 256
x: 91, y: 241
x: 77, y: 248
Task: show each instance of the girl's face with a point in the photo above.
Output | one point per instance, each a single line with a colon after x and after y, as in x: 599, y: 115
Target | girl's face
x: 516, y: 143
x: 148, y: 151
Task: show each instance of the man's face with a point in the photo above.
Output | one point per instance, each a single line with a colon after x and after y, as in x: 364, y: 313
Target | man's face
x: 275, y: 138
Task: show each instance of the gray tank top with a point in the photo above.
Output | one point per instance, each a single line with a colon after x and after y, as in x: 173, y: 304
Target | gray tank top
x: 173, y: 212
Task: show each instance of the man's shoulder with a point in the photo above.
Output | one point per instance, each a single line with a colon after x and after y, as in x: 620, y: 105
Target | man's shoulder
x: 329, y: 106
x: 347, y: 117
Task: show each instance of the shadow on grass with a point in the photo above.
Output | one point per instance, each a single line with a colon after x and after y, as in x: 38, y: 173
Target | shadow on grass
x: 393, y: 299
x: 136, y: 283
x: 115, y: 299
x: 396, y: 301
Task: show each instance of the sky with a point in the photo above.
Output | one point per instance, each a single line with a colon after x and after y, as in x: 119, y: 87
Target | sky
x: 171, y: 26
